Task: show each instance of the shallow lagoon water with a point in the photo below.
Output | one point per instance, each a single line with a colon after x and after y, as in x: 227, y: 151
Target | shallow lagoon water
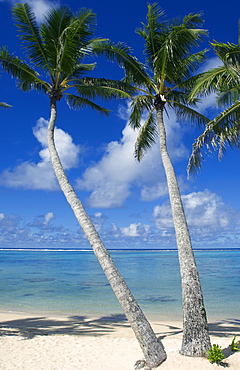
x: 71, y: 282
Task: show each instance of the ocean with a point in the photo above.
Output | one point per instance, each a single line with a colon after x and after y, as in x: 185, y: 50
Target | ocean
x: 71, y: 282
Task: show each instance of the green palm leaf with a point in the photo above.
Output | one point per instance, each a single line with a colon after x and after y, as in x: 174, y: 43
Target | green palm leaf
x: 29, y: 34
x: 77, y: 102
x: 27, y: 76
x: 153, y: 32
x: 222, y: 131
x: 138, y: 106
x: 185, y: 112
x: 92, y: 87
x: 71, y: 42
x: 134, y: 70
x: 147, y: 136
x: 208, y: 82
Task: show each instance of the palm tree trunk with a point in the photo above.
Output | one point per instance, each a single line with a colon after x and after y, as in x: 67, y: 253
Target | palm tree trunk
x: 151, y: 346
x: 196, y: 340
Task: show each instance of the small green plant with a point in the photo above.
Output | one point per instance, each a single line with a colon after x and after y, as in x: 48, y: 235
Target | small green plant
x: 215, y: 354
x: 234, y: 345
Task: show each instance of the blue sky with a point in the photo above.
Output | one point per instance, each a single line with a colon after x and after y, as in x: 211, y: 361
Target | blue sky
x: 127, y: 200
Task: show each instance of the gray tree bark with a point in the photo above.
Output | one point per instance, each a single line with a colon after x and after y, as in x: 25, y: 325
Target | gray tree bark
x: 196, y: 340
x: 151, y: 346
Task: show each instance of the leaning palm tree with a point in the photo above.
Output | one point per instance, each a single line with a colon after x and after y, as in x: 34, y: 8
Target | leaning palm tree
x: 224, y: 129
x: 170, y: 64
x: 57, y: 48
x: 162, y: 83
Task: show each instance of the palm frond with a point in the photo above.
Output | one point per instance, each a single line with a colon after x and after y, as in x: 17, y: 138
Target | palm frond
x: 139, y: 105
x: 227, y: 52
x: 52, y: 30
x: 196, y: 157
x: 228, y: 117
x: 174, y: 53
x: 134, y: 70
x: 228, y: 97
x: 208, y: 82
x: 66, y: 38
x: 153, y: 32
x: 185, y: 112
x: 26, y: 75
x: 222, y: 78
x: 222, y: 131
x: 79, y: 70
x: 29, y: 34
x: 91, y: 87
x: 189, y: 64
x: 180, y: 96
x: 193, y: 20
x: 77, y: 102
x: 146, y: 137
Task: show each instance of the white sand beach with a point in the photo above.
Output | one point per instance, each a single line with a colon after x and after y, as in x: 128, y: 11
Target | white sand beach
x: 37, y: 342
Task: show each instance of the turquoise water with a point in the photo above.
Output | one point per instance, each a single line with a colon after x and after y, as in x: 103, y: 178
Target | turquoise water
x: 72, y: 282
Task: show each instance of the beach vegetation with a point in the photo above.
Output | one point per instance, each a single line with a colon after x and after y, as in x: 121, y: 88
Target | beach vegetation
x: 162, y: 84
x: 235, y: 345
x: 215, y: 355
x: 56, y: 51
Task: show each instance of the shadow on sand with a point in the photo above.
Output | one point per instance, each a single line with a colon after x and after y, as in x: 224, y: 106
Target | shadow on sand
x: 29, y: 327
x: 73, y: 325
x: 223, y: 328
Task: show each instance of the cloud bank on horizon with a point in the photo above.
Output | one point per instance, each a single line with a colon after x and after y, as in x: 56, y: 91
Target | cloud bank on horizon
x: 211, y: 224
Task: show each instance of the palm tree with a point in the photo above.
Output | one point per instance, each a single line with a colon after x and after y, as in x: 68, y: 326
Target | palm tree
x: 224, y: 129
x: 162, y: 83
x: 57, y: 49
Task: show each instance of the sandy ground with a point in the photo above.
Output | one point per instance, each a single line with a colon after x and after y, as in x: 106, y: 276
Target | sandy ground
x: 39, y: 342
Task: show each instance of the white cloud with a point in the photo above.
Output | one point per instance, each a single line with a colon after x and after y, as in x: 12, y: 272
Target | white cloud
x: 111, y: 180
x: 48, y: 217
x: 153, y: 192
x: 135, y: 230
x: 67, y: 150
x: 1, y: 216
x: 203, y: 210
x: 206, y: 209
x: 30, y: 175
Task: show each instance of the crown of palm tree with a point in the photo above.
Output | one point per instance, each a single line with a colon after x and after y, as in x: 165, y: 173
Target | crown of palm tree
x: 164, y: 77
x: 57, y: 49
x: 224, y: 129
